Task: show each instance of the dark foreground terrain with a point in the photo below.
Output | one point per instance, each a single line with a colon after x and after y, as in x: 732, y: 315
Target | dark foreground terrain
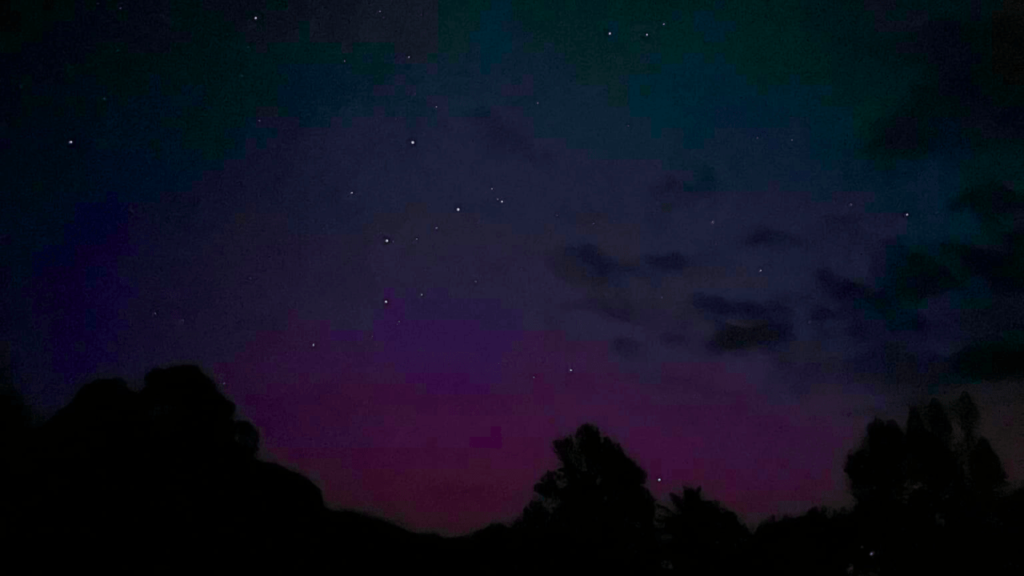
x: 165, y: 480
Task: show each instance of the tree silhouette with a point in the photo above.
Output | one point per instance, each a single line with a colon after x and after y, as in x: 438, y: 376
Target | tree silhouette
x: 154, y: 481
x: 936, y: 486
x: 818, y: 543
x: 703, y: 536
x: 877, y: 471
x: 595, y: 508
x: 938, y: 462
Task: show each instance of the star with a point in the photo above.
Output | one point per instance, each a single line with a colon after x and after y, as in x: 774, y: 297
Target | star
x: 387, y: 240
x: 412, y: 142
x: 385, y: 301
x: 457, y: 209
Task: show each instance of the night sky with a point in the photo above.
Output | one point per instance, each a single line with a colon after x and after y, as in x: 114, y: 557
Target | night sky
x: 417, y: 241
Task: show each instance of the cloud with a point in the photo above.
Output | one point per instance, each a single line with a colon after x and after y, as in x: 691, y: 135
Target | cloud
x: 769, y: 237
x: 823, y: 314
x: 614, y: 307
x: 674, y: 338
x: 933, y: 316
x: 670, y: 262
x: 914, y: 275
x: 705, y: 181
x: 982, y: 285
x: 502, y: 137
x: 998, y: 208
x: 742, y: 325
x: 604, y: 279
x: 997, y: 357
x: 628, y: 348
x: 842, y: 289
x: 670, y: 191
x: 895, y: 304
x: 584, y: 264
x: 732, y: 337
x: 740, y: 309
x: 894, y: 365
x: 968, y: 92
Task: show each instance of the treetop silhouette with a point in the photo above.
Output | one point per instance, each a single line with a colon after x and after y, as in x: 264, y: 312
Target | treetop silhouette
x: 937, y: 461
x: 703, y: 537
x: 596, y: 503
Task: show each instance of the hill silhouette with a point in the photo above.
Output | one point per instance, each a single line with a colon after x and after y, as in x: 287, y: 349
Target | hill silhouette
x: 165, y: 480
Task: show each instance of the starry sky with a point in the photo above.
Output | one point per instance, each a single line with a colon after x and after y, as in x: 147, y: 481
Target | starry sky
x: 416, y: 241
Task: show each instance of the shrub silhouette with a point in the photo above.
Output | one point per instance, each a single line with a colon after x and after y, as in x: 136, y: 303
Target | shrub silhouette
x: 702, y: 536
x: 818, y: 543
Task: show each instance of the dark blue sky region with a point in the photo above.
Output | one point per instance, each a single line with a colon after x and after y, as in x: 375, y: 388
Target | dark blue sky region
x: 417, y: 241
